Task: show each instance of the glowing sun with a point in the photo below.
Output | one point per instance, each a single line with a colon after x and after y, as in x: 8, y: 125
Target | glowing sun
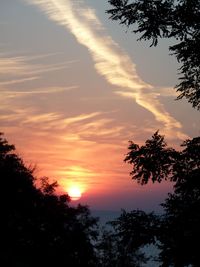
x: 74, y: 192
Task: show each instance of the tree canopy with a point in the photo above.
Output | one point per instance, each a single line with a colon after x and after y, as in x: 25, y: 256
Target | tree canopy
x: 156, y: 162
x: 39, y: 227
x: 121, y: 245
x: 178, y: 229
x: 175, y: 19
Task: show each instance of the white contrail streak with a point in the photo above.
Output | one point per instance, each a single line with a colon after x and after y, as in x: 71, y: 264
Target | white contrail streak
x: 109, y: 59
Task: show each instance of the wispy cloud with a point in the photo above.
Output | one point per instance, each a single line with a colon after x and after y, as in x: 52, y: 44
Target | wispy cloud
x: 20, y: 65
x: 172, y: 127
x: 14, y: 65
x: 20, y: 69
x: 37, y: 91
x: 15, y: 81
x: 35, y: 119
x: 109, y: 59
x: 85, y: 128
x: 81, y: 117
x: 81, y: 146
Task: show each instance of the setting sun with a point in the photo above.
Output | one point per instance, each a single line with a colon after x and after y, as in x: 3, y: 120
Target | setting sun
x: 74, y: 192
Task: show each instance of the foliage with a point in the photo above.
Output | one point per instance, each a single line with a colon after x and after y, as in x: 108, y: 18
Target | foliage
x: 176, y: 19
x: 121, y: 245
x: 178, y: 229
x: 40, y: 228
x: 155, y: 161
x: 152, y: 161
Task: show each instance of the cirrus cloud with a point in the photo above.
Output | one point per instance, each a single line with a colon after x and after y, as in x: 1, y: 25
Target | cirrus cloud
x: 110, y: 61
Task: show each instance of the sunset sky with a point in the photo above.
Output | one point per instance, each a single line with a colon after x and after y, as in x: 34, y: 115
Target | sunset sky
x: 76, y: 87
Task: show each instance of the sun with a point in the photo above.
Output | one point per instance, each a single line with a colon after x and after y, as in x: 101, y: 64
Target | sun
x: 74, y: 192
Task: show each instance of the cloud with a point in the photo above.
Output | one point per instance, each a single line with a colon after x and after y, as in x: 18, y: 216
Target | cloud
x: 20, y: 69
x: 15, y: 81
x: 151, y: 102
x: 80, y: 117
x: 167, y: 91
x: 36, y: 119
x: 86, y: 128
x: 37, y: 91
x: 83, y: 147
x: 110, y: 60
x: 83, y: 127
x: 14, y: 66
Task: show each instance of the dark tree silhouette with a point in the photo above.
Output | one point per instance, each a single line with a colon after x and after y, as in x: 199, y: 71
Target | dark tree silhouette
x: 155, y: 161
x: 121, y: 245
x: 39, y: 227
x: 152, y: 161
x: 178, y: 229
x: 176, y: 19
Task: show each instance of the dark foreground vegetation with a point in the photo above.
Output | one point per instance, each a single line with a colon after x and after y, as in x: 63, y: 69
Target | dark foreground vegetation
x: 178, y: 20
x: 41, y: 229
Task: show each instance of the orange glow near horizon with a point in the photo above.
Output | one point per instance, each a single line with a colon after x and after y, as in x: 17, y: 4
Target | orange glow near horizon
x: 74, y: 180
x: 74, y: 192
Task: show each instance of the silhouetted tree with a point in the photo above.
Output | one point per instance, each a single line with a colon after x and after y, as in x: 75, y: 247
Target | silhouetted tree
x: 121, y: 245
x: 39, y: 227
x: 152, y: 161
x: 178, y: 229
x: 176, y: 19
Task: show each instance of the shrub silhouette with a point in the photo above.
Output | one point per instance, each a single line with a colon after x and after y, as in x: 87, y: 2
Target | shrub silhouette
x: 40, y: 228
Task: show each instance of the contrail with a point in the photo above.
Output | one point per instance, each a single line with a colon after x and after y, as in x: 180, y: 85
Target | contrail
x: 110, y: 60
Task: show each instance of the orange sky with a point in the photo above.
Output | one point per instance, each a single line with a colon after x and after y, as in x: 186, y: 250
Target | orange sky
x: 75, y: 88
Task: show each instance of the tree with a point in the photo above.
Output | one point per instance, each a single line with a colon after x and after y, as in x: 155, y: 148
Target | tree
x: 121, y: 245
x: 39, y: 227
x: 178, y: 230
x: 152, y: 161
x: 175, y: 19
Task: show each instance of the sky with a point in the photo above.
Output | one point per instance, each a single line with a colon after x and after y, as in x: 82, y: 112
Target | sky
x: 75, y: 87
